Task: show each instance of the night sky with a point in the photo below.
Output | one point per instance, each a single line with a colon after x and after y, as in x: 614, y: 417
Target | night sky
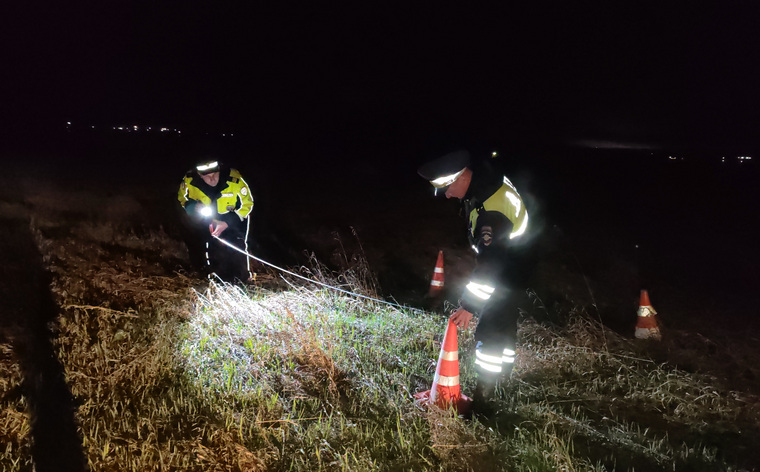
x: 634, y: 75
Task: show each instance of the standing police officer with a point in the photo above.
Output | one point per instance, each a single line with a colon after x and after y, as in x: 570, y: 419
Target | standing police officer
x: 219, y: 203
x: 498, y: 222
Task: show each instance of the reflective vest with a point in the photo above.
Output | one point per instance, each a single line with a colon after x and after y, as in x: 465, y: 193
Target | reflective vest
x: 231, y: 195
x: 508, y: 202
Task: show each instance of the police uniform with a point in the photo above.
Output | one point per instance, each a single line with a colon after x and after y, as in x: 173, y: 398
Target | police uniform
x: 229, y: 201
x: 497, y: 224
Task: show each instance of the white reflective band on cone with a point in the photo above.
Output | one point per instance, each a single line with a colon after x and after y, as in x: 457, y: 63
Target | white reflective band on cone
x: 448, y: 381
x: 449, y: 356
x: 481, y: 291
x: 645, y: 311
x: 436, y: 283
x: 438, y: 270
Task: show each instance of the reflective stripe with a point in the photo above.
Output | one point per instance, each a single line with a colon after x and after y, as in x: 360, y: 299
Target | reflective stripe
x: 488, y: 367
x: 438, y: 270
x: 449, y: 356
x: 515, y: 201
x: 206, y: 167
x: 446, y: 180
x: 523, y: 226
x: 509, y: 183
x: 487, y: 358
x: 436, y: 283
x: 645, y: 311
x: 448, y: 381
x: 508, y: 356
x: 481, y: 291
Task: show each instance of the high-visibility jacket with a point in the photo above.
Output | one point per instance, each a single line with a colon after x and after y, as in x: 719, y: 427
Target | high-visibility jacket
x: 498, y: 221
x: 230, y: 201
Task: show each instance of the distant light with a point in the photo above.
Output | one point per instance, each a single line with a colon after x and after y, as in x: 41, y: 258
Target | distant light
x: 93, y: 127
x: 68, y: 123
x: 494, y: 154
x: 232, y: 134
x: 136, y: 127
x: 163, y: 130
x: 672, y: 157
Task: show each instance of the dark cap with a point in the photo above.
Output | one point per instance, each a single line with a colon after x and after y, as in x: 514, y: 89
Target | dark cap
x: 443, y: 171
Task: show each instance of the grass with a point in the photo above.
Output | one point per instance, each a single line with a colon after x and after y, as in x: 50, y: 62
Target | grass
x: 173, y: 373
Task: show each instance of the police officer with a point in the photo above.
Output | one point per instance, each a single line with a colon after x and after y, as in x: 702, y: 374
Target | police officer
x: 219, y: 203
x: 498, y: 223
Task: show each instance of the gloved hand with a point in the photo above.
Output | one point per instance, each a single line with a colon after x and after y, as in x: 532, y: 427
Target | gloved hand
x: 461, y: 318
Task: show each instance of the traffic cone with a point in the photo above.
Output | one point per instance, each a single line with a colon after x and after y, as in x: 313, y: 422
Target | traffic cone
x: 646, y: 324
x: 446, y: 391
x: 436, y: 283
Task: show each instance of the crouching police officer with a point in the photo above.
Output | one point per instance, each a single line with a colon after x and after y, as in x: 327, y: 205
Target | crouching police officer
x: 498, y: 222
x: 219, y: 203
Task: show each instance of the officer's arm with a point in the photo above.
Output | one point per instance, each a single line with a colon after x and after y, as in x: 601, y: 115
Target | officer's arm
x: 485, y: 282
x: 183, y: 196
x: 246, y: 200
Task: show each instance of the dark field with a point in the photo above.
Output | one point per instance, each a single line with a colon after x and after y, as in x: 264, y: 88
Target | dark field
x: 611, y: 224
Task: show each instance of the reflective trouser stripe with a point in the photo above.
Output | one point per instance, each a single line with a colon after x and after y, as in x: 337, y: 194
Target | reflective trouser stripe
x: 508, y: 356
x: 487, y: 366
x: 494, y: 363
x: 489, y: 363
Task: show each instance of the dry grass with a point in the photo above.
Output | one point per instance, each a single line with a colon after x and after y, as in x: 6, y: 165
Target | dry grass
x: 172, y: 373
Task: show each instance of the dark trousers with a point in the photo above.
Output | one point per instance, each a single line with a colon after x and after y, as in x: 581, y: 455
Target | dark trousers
x: 227, y: 263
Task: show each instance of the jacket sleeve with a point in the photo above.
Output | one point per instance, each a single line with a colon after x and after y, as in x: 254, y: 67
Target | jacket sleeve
x: 485, y: 283
x: 183, y: 196
x: 244, y: 197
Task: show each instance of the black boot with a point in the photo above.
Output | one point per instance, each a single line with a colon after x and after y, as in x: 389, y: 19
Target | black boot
x: 482, y: 399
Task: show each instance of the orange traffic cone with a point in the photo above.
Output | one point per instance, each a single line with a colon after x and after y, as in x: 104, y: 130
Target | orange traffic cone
x: 446, y: 391
x: 436, y: 283
x: 646, y: 324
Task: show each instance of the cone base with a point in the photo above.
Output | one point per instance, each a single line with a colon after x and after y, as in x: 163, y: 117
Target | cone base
x: 462, y: 404
x: 648, y: 333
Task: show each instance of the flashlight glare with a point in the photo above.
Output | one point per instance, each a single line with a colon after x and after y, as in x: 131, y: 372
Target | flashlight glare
x: 206, y: 211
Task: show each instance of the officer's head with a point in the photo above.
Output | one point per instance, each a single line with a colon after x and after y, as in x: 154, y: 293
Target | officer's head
x: 450, y: 173
x: 208, y: 169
